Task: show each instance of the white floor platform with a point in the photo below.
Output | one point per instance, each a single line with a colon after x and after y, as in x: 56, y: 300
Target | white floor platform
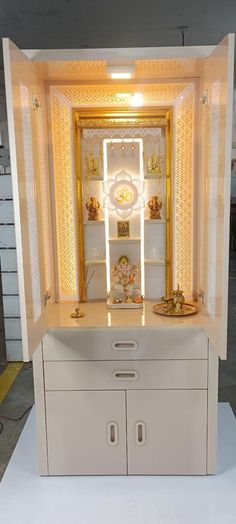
x: 26, y: 498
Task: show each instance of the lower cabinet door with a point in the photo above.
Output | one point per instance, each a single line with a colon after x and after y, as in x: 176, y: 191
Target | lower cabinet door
x: 86, y: 432
x: 167, y: 432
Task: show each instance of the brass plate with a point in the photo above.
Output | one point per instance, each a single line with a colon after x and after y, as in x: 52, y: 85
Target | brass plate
x: 188, y: 309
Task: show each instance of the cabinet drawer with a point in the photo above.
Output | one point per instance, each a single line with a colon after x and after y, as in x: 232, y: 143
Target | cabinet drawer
x: 95, y: 375
x: 121, y: 344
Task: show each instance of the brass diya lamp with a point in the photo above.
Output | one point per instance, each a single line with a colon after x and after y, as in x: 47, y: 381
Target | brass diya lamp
x: 176, y: 301
x: 175, y: 305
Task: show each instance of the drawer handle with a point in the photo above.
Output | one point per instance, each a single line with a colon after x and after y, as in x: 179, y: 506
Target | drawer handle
x: 125, y: 345
x: 125, y: 375
x: 140, y: 433
x: 112, y: 433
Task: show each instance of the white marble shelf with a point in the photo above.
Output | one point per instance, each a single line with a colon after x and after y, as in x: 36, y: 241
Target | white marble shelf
x: 99, y: 316
x: 154, y: 262
x: 95, y: 262
x: 94, y: 222
x: 125, y: 240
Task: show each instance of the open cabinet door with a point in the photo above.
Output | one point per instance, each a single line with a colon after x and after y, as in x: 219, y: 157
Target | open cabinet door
x: 21, y: 84
x: 216, y: 136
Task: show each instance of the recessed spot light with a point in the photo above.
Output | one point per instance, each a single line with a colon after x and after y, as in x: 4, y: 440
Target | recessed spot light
x: 120, y: 72
x: 123, y: 76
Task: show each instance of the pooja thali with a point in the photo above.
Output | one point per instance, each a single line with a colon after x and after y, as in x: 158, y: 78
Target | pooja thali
x: 187, y: 309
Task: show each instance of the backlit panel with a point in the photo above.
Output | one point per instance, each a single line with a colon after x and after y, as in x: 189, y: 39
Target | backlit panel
x: 184, y: 193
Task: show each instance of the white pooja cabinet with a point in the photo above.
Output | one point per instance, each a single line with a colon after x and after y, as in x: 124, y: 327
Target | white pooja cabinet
x: 124, y: 392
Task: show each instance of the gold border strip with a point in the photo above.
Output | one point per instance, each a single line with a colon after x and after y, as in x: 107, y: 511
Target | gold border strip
x: 87, y: 123
x: 169, y: 199
x: 79, y: 205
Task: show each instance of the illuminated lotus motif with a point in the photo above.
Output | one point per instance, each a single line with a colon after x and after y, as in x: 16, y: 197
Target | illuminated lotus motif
x: 123, y: 194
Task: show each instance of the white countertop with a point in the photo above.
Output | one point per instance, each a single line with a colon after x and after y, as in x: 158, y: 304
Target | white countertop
x: 97, y: 315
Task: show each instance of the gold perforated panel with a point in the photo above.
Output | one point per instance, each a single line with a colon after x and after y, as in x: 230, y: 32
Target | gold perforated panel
x: 105, y: 95
x: 167, y: 68
x: 83, y: 70
x: 184, y: 193
x: 61, y: 123
x: 94, y: 70
x: 100, y: 96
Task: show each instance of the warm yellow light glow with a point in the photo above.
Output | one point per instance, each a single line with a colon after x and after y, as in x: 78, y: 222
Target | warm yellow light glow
x: 106, y: 142
x: 137, y: 100
x: 123, y: 95
x: 117, y: 72
x: 121, y: 76
x: 184, y: 194
x: 65, y: 218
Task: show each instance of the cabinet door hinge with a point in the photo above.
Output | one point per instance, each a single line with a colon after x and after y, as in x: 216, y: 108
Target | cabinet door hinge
x: 36, y: 103
x: 46, y: 297
x: 204, y: 98
x: 201, y: 295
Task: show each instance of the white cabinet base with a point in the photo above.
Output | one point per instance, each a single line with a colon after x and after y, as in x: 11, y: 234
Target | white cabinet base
x: 167, y: 432
x: 160, y: 422
x: 86, y: 432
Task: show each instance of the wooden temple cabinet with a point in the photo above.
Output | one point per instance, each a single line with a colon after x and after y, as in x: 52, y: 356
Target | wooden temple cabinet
x: 122, y: 391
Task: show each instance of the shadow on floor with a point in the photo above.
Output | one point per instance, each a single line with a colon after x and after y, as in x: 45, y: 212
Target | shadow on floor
x: 19, y: 398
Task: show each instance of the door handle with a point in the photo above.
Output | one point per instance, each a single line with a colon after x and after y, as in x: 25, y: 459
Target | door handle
x: 125, y: 375
x: 125, y: 345
x: 112, y: 433
x: 140, y: 433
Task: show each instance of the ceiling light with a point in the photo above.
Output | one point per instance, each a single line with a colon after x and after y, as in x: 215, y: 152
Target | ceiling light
x: 120, y: 72
x: 137, y: 100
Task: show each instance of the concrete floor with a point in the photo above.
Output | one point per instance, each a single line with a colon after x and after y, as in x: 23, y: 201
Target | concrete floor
x: 21, y: 395
x: 26, y: 498
x: 19, y: 398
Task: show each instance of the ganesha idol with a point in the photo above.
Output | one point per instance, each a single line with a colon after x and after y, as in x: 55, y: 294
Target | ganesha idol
x: 125, y: 288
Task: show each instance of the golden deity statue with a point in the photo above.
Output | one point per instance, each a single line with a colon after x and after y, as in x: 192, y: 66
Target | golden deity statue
x: 92, y: 205
x: 155, y: 205
x: 91, y: 165
x: 154, y: 165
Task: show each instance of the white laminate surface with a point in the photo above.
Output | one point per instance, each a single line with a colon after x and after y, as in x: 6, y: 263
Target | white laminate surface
x: 98, y: 315
x: 25, y: 498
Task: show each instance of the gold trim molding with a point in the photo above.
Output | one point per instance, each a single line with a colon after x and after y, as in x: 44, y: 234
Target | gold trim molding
x: 110, y: 118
